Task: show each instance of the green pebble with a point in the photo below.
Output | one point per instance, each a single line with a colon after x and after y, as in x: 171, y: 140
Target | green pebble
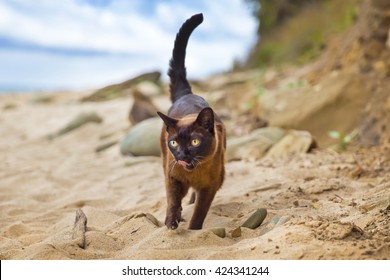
x: 221, y: 232
x: 255, y: 219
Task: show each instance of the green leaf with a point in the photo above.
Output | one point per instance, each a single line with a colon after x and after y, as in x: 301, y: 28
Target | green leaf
x: 350, y: 136
x: 335, y: 135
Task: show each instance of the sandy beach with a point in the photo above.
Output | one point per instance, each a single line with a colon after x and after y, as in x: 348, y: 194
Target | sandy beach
x: 336, y: 205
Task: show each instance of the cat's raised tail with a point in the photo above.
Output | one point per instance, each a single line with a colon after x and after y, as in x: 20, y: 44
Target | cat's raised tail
x: 179, y: 85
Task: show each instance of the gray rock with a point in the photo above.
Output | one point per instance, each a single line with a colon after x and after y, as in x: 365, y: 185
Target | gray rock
x: 255, y: 144
x: 221, y: 232
x: 143, y: 139
x: 80, y: 228
x: 142, y: 108
x: 255, y: 219
x: 9, y: 106
x: 77, y: 122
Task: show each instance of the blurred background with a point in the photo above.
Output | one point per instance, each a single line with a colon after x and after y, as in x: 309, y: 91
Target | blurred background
x: 260, y: 59
x: 302, y: 86
x: 78, y: 44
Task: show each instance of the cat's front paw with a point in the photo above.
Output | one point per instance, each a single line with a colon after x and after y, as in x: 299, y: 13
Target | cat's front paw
x: 171, y: 222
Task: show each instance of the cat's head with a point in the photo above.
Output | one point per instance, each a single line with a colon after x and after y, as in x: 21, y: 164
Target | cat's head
x: 191, y: 140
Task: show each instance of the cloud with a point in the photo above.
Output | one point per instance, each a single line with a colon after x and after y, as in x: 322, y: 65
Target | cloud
x: 86, y: 43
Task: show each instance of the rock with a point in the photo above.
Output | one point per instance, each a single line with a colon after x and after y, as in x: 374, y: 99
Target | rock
x: 319, y: 109
x: 275, y: 222
x: 253, y: 145
x: 105, y: 146
x: 236, y: 232
x: 117, y: 90
x: 143, y: 139
x: 77, y: 122
x: 148, y: 88
x: 9, y: 106
x: 294, y: 142
x: 255, y: 219
x: 221, y: 232
x: 142, y: 108
x: 380, y: 200
x: 80, y: 228
x: 42, y: 99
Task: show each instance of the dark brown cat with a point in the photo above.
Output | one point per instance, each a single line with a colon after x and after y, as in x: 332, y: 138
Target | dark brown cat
x: 193, y: 140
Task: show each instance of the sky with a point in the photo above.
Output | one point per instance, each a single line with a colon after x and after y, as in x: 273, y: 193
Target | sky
x: 84, y: 44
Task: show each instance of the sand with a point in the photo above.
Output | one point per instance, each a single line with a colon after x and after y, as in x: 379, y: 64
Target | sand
x: 335, y: 203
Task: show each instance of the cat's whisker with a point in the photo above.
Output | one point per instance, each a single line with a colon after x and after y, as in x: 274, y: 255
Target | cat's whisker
x: 172, y: 165
x: 198, y: 159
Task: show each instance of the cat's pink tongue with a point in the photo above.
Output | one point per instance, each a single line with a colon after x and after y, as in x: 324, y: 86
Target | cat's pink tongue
x: 184, y: 163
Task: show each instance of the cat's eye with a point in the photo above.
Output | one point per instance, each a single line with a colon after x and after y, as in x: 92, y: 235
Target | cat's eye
x: 195, y: 142
x: 173, y: 143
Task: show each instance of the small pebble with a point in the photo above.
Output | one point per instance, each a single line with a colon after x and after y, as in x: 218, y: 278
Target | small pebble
x: 221, y: 232
x: 236, y: 232
x: 80, y: 228
x: 255, y: 219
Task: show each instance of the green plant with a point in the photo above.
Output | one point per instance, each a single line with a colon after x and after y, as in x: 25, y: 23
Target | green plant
x: 260, y: 91
x: 343, y: 140
x: 247, y: 106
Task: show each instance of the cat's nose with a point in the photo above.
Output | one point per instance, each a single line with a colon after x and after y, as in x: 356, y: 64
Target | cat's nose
x: 182, y: 153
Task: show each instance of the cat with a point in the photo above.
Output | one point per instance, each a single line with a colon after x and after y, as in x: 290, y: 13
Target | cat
x: 192, y: 142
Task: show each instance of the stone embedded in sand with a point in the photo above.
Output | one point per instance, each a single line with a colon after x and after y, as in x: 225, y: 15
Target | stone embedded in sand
x: 255, y: 219
x: 9, y: 106
x: 142, y: 108
x: 275, y: 222
x: 337, y: 96
x: 253, y: 145
x: 80, y: 228
x: 79, y: 121
x: 221, y: 232
x: 143, y: 139
x: 294, y: 142
x: 380, y: 200
x: 236, y: 232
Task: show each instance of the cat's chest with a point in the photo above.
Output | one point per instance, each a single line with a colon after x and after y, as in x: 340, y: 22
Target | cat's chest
x: 201, y: 177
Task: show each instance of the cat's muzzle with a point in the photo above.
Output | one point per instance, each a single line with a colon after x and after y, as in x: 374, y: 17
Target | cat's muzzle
x: 189, y: 166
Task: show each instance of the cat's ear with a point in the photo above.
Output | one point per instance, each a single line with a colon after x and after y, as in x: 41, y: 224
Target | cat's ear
x: 169, y: 122
x: 205, y: 119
